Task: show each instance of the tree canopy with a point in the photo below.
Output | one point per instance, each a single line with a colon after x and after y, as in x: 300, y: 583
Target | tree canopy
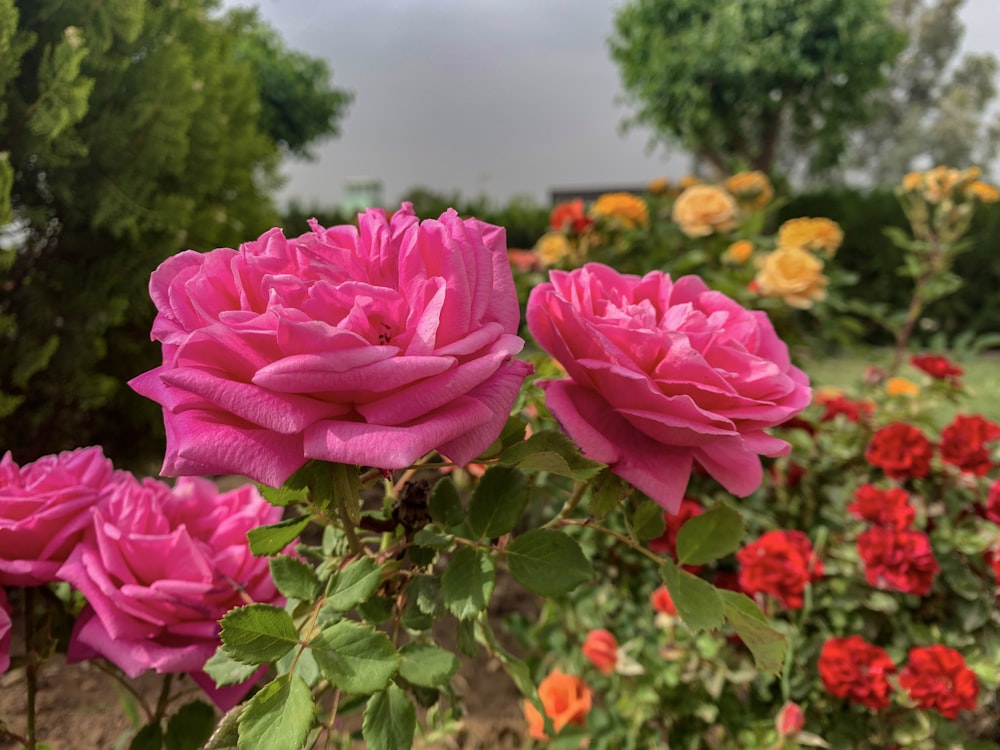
x: 730, y: 81
x: 128, y: 131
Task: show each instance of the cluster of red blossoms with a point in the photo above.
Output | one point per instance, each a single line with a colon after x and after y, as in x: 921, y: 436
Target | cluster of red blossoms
x: 780, y: 563
x: 935, y: 677
x: 903, y: 451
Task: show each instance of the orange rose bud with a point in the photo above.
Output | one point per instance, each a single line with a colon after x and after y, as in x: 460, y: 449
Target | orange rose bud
x: 566, y: 700
x: 601, y: 648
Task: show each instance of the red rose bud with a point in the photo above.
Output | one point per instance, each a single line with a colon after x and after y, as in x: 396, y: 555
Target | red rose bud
x: 790, y: 720
x: 601, y: 648
x: 662, y: 601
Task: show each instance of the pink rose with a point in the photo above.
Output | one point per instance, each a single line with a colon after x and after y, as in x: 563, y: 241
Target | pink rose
x: 371, y: 345
x: 44, y: 511
x: 160, y: 567
x: 5, y: 628
x: 664, y: 376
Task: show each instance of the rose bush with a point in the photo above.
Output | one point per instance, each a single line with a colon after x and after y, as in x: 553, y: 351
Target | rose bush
x: 664, y: 376
x: 369, y: 345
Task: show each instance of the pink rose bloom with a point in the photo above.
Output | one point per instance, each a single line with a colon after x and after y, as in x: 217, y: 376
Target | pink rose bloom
x: 44, y: 511
x: 5, y: 628
x: 664, y: 376
x: 368, y: 345
x: 160, y: 567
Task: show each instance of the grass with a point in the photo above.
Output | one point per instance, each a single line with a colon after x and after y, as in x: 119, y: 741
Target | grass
x: 981, y: 379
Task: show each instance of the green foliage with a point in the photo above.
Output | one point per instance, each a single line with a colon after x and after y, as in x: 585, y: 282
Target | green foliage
x: 724, y: 79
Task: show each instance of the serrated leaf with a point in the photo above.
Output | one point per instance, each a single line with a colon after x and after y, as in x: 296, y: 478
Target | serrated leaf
x: 294, y: 578
x: 390, y: 721
x: 278, y: 717
x: 427, y: 665
x: 707, y: 537
x: 225, y: 670
x: 354, y: 583
x: 698, y: 603
x: 498, y: 502
x: 425, y: 592
x: 272, y: 539
x: 606, y: 492
x: 648, y: 521
x: 150, y: 737
x: 548, y: 562
x: 347, y: 490
x: 258, y: 633
x: 191, y: 726
x: 284, y: 495
x: 355, y: 658
x: 429, y: 538
x: 468, y: 581
x: 767, y: 645
x: 445, y: 505
x: 552, y: 451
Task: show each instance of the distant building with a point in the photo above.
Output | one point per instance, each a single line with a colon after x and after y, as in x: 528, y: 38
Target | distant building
x: 588, y: 194
x: 361, y: 193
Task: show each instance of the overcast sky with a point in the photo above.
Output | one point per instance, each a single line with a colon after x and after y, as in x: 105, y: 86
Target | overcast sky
x: 482, y: 96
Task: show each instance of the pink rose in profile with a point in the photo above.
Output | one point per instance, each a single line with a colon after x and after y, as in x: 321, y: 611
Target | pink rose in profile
x: 44, y: 511
x: 664, y: 376
x: 160, y: 567
x: 5, y: 628
x: 366, y: 345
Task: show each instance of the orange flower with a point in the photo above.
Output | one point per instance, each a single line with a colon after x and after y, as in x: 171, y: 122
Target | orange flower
x: 628, y: 209
x: 659, y: 186
x: 703, y: 209
x: 901, y: 387
x: 566, y: 700
x: 984, y: 192
x: 738, y: 253
x: 794, y: 275
x: 811, y: 234
x: 753, y: 190
x: 601, y: 648
x: 569, y: 215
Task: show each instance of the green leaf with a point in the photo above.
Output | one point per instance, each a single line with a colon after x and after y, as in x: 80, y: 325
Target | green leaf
x: 516, y: 668
x: 498, y: 502
x: 468, y: 581
x: 710, y: 536
x: 390, y: 721
x: 191, y: 726
x: 698, y: 603
x: 767, y: 645
x: 227, y: 671
x: 354, y: 583
x: 648, y: 521
x: 150, y: 737
x: 294, y: 578
x: 258, y: 633
x: 551, y: 451
x: 548, y: 562
x: 376, y: 610
x: 278, y: 717
x: 427, y: 537
x: 355, y: 658
x: 427, y: 665
x: 284, y: 495
x: 270, y: 540
x: 444, y: 505
x: 347, y: 490
x: 227, y: 734
x: 606, y: 492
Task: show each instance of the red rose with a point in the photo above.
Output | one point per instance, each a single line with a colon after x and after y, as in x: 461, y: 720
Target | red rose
x: 853, y: 411
x: 901, y: 451
x: 899, y: 559
x: 937, y: 367
x: 569, y: 216
x: 854, y: 669
x: 963, y: 443
x: 889, y: 508
x: 993, y: 503
x: 662, y: 602
x: 790, y: 720
x: 937, y: 677
x: 667, y: 541
x: 780, y: 563
x: 601, y: 648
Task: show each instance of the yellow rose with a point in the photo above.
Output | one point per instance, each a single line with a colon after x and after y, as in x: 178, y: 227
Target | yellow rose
x: 901, y: 387
x: 753, y: 190
x: 984, y: 192
x: 552, y: 247
x: 811, y: 234
x: 703, y: 209
x: 912, y: 181
x: 629, y: 209
x: 794, y: 275
x: 659, y: 186
x: 738, y: 253
x: 939, y: 182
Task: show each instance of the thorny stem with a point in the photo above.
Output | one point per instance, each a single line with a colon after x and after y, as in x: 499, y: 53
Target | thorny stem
x: 352, y: 538
x: 164, y: 700
x: 333, y: 718
x: 570, y: 505
x: 624, y: 538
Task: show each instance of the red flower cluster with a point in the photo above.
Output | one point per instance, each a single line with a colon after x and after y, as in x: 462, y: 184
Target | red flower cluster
x: 601, y: 649
x: 780, y: 563
x: 899, y: 559
x: 853, y: 411
x: 901, y: 450
x: 936, y: 677
x: 963, y: 443
x: 569, y: 215
x: 857, y: 670
x: 888, y: 508
x: 938, y: 367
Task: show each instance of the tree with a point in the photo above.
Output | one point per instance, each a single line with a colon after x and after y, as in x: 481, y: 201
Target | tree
x: 936, y: 107
x: 133, y: 131
x: 730, y: 81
